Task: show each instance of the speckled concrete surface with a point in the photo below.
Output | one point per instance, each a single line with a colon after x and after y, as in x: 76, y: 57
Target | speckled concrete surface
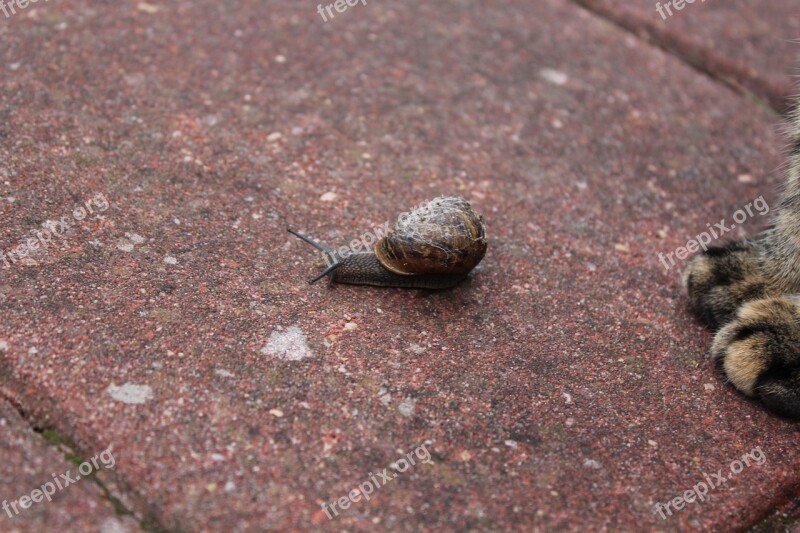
x: 29, y: 465
x: 749, y: 44
x: 565, y: 386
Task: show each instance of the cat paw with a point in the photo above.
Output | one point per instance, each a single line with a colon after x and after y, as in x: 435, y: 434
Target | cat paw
x: 720, y: 279
x: 760, y: 352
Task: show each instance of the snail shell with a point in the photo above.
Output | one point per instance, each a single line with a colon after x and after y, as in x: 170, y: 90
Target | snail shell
x: 435, y: 246
x: 445, y: 236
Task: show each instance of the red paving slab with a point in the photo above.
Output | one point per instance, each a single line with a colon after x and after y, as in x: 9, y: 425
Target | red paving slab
x: 752, y: 45
x: 565, y: 386
x: 30, y: 464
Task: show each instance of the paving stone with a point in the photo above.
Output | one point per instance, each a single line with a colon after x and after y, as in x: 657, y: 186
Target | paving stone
x: 565, y: 386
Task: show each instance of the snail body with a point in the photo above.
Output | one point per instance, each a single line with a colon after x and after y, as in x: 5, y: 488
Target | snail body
x: 435, y: 246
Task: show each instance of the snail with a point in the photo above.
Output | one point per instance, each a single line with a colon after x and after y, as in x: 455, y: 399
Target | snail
x: 435, y: 246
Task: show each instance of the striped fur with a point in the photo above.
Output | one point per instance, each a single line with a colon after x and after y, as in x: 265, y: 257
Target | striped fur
x: 748, y: 292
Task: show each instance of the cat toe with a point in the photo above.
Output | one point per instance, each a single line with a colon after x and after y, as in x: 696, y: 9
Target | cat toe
x: 720, y: 279
x: 759, y: 351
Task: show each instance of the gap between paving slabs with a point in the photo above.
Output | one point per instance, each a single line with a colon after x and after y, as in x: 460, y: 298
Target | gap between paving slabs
x: 69, y: 450
x: 697, y: 56
x: 41, y: 425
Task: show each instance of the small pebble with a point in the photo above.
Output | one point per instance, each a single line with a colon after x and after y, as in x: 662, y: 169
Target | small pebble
x: 328, y: 197
x: 147, y: 8
x: 553, y: 76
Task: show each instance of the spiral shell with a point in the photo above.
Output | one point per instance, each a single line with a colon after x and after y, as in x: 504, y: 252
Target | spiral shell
x: 444, y: 236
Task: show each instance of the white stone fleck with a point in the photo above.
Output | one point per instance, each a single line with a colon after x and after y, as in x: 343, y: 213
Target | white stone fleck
x: 328, y: 197
x: 272, y: 137
x: 3, y: 345
x: 130, y: 393
x: 384, y: 396
x: 280, y: 59
x: 113, y: 525
x: 290, y: 345
x: 125, y: 246
x: 147, y: 8
x: 407, y: 407
x: 511, y: 443
x: 136, y: 238
x: 224, y: 373
x: 416, y: 348
x: 170, y: 260
x: 591, y: 463
x: 554, y: 76
x: 276, y: 412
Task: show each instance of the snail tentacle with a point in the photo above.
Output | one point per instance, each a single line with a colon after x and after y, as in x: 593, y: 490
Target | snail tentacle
x: 332, y: 256
x: 312, y: 242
